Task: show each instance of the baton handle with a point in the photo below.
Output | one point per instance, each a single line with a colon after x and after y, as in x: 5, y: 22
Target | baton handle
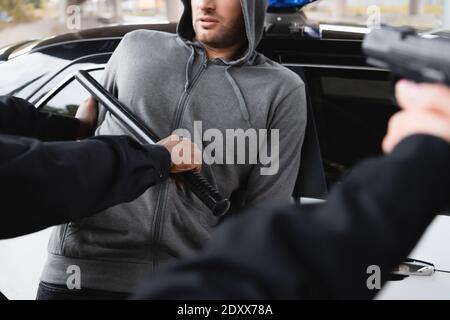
x: 197, y: 183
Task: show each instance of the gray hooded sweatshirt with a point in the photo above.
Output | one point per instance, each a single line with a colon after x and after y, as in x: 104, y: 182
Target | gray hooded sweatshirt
x: 169, y: 83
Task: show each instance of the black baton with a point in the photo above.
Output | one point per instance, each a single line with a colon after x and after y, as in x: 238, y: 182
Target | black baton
x: 196, y: 182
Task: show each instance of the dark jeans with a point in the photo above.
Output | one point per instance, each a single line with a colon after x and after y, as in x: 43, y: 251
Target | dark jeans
x: 47, y: 291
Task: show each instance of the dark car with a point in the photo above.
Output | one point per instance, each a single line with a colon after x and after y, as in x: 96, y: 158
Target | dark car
x: 349, y: 102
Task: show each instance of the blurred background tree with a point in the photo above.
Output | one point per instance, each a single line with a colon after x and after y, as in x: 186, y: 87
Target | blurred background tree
x: 21, y: 10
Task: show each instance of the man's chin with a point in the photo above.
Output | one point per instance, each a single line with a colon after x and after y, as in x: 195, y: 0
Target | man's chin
x: 208, y: 40
x: 206, y: 33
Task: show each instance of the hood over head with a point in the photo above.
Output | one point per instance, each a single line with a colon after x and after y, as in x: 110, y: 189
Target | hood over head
x: 254, y: 14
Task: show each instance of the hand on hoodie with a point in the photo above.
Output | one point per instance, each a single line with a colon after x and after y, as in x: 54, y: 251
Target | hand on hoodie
x: 426, y: 110
x: 185, y: 154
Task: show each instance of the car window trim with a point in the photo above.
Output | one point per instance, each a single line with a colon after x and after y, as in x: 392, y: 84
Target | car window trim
x: 49, y: 95
x: 73, y: 62
x: 62, y: 84
x: 38, y: 48
x: 332, y: 66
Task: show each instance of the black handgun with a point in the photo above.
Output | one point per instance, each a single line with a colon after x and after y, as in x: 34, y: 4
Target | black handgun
x: 409, y: 55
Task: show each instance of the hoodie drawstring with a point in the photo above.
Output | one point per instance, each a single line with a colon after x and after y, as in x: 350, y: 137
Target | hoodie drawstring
x: 189, y: 66
x: 239, y: 95
x: 237, y: 91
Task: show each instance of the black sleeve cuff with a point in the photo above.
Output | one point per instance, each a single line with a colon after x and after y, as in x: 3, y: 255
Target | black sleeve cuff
x: 60, y: 128
x: 430, y: 146
x: 160, y: 156
x: 431, y: 154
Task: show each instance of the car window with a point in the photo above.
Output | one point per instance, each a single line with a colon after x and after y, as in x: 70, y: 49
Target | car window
x: 68, y: 99
x: 351, y: 108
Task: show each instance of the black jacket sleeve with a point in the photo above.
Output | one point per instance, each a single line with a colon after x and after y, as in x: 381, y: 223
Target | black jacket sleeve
x: 20, y: 118
x: 375, y: 217
x: 44, y: 184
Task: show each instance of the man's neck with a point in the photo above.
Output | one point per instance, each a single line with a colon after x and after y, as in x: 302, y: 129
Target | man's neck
x: 229, y: 53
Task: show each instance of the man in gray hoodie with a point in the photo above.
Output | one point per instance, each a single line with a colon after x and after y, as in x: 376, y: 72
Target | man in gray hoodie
x: 208, y: 77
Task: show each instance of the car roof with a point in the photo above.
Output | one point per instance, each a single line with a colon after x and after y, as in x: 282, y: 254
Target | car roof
x: 109, y: 31
x: 334, y: 32
x: 99, y: 43
x: 104, y: 32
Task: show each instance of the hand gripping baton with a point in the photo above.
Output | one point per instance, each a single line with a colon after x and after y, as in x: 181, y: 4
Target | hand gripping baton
x: 196, y: 182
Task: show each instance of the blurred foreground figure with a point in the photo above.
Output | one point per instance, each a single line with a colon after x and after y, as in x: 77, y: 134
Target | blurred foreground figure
x: 49, y: 183
x: 375, y: 217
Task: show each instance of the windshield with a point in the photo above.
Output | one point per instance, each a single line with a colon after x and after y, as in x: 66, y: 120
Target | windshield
x: 22, y: 20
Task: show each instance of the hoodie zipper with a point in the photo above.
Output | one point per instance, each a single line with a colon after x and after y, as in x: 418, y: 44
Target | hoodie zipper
x: 186, y: 94
x: 162, y: 196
